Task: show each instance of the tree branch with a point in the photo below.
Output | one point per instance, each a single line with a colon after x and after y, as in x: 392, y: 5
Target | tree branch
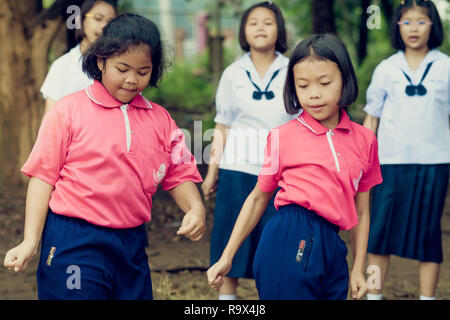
x: 59, y: 8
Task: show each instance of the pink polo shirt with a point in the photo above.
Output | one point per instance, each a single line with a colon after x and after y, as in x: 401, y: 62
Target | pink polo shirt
x: 321, y: 169
x: 106, y: 159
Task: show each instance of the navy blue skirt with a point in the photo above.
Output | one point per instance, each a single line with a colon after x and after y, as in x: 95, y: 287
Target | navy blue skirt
x: 232, y: 190
x: 406, y: 212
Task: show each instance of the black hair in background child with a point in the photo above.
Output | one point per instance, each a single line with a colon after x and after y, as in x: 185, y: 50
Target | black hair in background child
x: 118, y: 36
x: 322, y: 47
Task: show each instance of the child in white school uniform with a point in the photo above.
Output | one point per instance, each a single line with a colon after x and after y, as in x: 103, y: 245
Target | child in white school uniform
x: 66, y: 75
x: 249, y: 102
x: 408, y: 102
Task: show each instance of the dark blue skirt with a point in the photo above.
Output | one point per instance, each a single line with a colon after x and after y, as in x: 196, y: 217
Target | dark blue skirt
x: 232, y: 190
x: 406, y: 212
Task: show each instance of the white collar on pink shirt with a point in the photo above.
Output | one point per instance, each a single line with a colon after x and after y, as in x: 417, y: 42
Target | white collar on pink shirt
x: 315, y: 126
x: 99, y: 95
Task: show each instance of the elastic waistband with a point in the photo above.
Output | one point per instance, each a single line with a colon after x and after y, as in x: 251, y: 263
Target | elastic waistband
x: 298, y: 209
x: 82, y: 222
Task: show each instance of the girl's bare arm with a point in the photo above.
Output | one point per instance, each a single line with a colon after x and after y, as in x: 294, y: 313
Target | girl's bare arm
x: 38, y: 197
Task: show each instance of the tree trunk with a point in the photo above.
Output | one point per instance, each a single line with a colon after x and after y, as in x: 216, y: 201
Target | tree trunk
x: 388, y: 10
x: 363, y: 32
x: 323, y: 16
x: 23, y: 66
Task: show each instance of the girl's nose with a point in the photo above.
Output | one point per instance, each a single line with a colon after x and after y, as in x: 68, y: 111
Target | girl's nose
x: 314, y: 95
x: 131, y: 80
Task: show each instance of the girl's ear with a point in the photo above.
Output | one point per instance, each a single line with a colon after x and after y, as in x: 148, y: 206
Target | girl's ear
x: 100, y: 64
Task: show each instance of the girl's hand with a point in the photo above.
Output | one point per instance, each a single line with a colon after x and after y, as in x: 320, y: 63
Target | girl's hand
x: 209, y: 185
x: 217, y: 272
x: 17, y: 258
x: 358, y: 284
x: 193, y: 225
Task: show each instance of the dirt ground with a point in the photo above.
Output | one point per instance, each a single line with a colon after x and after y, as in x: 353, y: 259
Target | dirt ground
x: 178, y: 265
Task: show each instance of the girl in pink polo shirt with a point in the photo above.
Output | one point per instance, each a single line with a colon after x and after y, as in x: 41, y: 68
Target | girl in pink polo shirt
x: 99, y: 158
x: 325, y: 166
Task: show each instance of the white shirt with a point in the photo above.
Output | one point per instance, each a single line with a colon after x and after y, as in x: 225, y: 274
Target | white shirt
x: 412, y: 129
x: 249, y: 120
x: 65, y: 76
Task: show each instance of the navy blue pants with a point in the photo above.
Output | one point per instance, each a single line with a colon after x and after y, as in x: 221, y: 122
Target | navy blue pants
x: 81, y: 261
x: 300, y: 257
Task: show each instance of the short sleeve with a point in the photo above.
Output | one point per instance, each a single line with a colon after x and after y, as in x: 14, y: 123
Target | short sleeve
x: 53, y: 86
x: 49, y: 151
x: 224, y: 110
x: 183, y: 166
x: 270, y: 172
x: 372, y: 176
x: 376, y: 93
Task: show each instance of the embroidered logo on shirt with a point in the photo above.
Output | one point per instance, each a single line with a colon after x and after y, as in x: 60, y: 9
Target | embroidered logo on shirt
x: 356, y: 181
x: 159, y: 175
x: 50, y: 256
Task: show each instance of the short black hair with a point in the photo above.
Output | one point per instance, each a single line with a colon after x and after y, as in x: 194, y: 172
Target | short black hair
x: 85, y: 8
x: 281, y: 44
x: 324, y: 47
x: 436, y: 32
x: 121, y: 33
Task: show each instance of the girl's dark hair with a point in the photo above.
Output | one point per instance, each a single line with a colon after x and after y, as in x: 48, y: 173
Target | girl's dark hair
x: 85, y: 8
x: 121, y: 33
x: 281, y: 44
x: 436, y: 32
x: 323, y: 47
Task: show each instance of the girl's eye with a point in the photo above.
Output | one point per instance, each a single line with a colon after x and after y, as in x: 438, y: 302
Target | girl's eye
x: 120, y: 70
x: 302, y: 86
x: 325, y: 83
x: 143, y: 74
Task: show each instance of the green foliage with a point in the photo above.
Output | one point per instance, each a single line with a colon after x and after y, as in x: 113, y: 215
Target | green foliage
x: 186, y: 91
x: 186, y: 87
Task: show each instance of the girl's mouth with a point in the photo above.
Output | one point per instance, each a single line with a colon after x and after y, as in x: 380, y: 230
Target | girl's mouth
x: 129, y: 90
x: 317, y: 108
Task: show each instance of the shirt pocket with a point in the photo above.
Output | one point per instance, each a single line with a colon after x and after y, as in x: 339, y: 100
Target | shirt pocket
x: 154, y: 166
x: 439, y: 87
x: 395, y: 92
x: 356, y: 171
x: 242, y: 91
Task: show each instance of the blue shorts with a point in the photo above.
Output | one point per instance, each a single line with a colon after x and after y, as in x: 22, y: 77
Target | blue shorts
x: 80, y: 261
x: 300, y: 257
